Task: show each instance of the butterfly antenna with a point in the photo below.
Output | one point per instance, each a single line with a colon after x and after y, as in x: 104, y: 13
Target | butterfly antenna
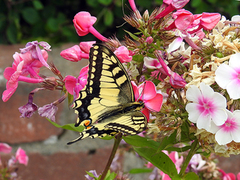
x: 142, y: 92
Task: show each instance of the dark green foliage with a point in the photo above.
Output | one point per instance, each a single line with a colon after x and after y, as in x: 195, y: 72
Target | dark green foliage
x: 51, y: 21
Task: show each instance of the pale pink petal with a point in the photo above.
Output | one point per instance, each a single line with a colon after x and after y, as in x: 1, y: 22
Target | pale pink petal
x: 193, y: 113
x: 175, y: 44
x: 224, y: 74
x: 219, y: 116
x: 222, y: 137
x: 233, y: 89
x: 155, y: 103
x: 236, y: 135
x: 5, y: 148
x: 151, y: 63
x: 205, y: 122
x: 206, y: 90
x: 21, y: 156
x: 193, y: 93
x: 234, y: 61
x: 219, y: 100
x: 236, y: 115
x: 70, y: 83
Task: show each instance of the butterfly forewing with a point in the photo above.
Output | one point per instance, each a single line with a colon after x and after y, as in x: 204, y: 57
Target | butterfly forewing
x: 106, y: 97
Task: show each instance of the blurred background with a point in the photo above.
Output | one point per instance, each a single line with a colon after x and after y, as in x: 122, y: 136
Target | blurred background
x: 22, y: 21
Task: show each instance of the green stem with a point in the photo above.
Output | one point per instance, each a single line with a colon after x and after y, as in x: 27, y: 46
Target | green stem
x: 188, y: 158
x: 117, y: 141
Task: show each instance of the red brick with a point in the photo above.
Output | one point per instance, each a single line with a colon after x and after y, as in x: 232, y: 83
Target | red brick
x: 14, y: 129
x: 63, y: 166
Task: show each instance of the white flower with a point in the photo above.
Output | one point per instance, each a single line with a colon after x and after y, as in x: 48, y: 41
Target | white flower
x: 207, y: 109
x: 230, y: 130
x: 227, y: 76
x: 151, y: 63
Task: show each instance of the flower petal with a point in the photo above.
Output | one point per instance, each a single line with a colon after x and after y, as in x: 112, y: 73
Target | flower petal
x: 222, y: 137
x: 193, y: 93
x: 233, y: 89
x: 155, y: 103
x: 147, y: 90
x: 224, y: 75
x: 193, y: 114
x: 70, y: 83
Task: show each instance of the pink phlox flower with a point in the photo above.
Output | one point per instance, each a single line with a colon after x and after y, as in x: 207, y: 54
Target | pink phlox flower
x: 230, y: 130
x: 94, y: 174
x: 34, y: 49
x: 147, y: 93
x: 123, y: 54
x: 171, y: 5
x: 83, y: 23
x: 74, y: 85
x: 31, y: 66
x: 149, y: 40
x: 12, y: 82
x: 176, y: 160
x: 133, y: 5
x: 23, y: 66
x: 149, y: 165
x: 74, y: 54
x: 175, y: 44
x: 227, y: 176
x: 207, y: 109
x: 227, y: 76
x: 21, y: 156
x: 5, y: 148
x: 196, y: 163
x: 49, y: 111
x: 151, y: 63
x: 175, y: 79
x: 86, y: 46
x: 207, y: 21
x: 28, y: 109
x: 182, y: 20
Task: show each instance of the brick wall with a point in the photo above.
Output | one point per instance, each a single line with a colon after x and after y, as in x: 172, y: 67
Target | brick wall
x: 49, y: 156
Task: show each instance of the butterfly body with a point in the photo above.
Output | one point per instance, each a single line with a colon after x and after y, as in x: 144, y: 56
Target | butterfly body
x: 106, y: 105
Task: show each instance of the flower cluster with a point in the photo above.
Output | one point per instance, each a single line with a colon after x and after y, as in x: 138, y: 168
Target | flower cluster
x: 184, y: 67
x: 8, y: 170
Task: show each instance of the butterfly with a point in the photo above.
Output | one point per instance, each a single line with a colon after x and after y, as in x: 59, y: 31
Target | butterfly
x: 106, y: 105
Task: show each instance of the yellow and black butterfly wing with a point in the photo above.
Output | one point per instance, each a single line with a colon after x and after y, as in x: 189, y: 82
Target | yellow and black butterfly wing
x: 108, y: 86
x: 107, y: 105
x: 130, y: 123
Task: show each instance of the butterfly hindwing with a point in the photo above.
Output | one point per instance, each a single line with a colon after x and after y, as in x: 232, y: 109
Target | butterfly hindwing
x: 106, y: 105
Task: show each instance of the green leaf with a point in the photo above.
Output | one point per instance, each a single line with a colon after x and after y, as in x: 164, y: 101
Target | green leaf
x: 138, y: 58
x: 140, y: 170
x: 132, y: 35
x: 160, y: 160
x: 37, y: 5
x: 30, y: 15
x: 110, y: 175
x: 108, y: 17
x: 190, y: 176
x: 12, y: 33
x: 105, y: 2
x: 67, y: 126
x: 52, y: 24
x: 139, y: 141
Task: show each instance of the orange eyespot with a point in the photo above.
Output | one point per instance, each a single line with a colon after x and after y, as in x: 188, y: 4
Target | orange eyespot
x: 87, y: 123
